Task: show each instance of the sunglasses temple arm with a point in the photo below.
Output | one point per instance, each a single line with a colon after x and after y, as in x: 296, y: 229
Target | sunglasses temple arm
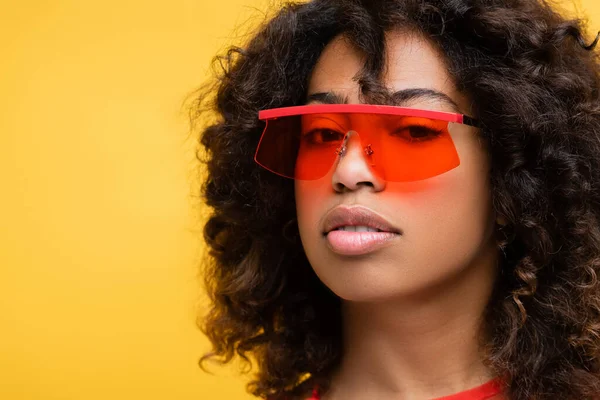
x: 471, y: 121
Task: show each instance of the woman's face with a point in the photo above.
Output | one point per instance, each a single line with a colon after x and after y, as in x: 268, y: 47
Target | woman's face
x: 440, y: 228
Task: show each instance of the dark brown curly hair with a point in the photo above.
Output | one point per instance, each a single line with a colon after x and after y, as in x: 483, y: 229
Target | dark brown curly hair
x: 535, y: 84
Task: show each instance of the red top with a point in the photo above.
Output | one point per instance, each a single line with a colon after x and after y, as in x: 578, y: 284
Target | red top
x: 491, y: 390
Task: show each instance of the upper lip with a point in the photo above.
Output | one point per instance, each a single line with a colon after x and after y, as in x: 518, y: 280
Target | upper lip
x: 356, y: 216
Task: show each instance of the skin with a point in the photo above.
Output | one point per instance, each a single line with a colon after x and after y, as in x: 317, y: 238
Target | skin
x: 412, y: 309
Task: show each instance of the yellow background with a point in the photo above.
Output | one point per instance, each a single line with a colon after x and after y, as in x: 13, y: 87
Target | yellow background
x: 98, y: 233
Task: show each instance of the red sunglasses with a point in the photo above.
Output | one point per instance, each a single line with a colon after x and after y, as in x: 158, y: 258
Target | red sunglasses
x: 400, y: 144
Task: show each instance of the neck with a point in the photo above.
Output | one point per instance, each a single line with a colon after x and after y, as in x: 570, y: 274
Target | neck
x: 417, y: 346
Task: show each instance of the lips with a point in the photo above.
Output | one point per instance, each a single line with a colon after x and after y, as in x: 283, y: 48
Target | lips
x: 369, y: 231
x: 356, y: 216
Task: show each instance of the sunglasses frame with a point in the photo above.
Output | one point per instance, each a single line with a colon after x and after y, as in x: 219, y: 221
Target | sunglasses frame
x: 275, y: 113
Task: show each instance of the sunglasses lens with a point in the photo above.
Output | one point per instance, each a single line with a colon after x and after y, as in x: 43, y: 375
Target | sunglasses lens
x: 288, y: 149
x: 398, y: 148
x: 416, y: 149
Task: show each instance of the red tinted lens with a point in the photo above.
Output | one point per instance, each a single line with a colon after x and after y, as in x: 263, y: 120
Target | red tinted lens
x: 301, y: 146
x: 398, y: 148
x: 412, y: 148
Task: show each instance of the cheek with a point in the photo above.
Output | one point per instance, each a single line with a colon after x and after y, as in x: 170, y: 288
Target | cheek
x: 311, y: 197
x: 454, y: 212
x: 457, y: 210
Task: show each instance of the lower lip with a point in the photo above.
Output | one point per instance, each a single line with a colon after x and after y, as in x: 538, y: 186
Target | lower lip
x: 358, y: 243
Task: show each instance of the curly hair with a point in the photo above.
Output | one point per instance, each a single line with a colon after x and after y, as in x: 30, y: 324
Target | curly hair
x: 535, y: 85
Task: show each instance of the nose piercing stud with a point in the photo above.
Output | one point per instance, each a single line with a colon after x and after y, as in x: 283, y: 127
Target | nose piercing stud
x: 341, y: 151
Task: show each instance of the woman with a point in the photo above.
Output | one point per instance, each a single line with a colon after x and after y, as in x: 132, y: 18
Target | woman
x: 405, y: 199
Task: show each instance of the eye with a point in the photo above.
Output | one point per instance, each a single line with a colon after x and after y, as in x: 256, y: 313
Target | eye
x: 323, y: 136
x: 418, y: 133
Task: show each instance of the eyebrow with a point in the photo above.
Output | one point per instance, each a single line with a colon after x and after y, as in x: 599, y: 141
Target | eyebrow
x: 399, y: 98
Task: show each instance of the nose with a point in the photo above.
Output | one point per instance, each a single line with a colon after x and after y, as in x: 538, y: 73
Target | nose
x: 353, y: 169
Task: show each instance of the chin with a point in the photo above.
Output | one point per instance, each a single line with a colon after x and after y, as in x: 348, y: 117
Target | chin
x: 371, y: 281
x: 364, y: 288
x: 369, y: 295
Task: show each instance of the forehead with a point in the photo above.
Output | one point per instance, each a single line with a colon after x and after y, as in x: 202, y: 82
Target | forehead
x: 411, y: 62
